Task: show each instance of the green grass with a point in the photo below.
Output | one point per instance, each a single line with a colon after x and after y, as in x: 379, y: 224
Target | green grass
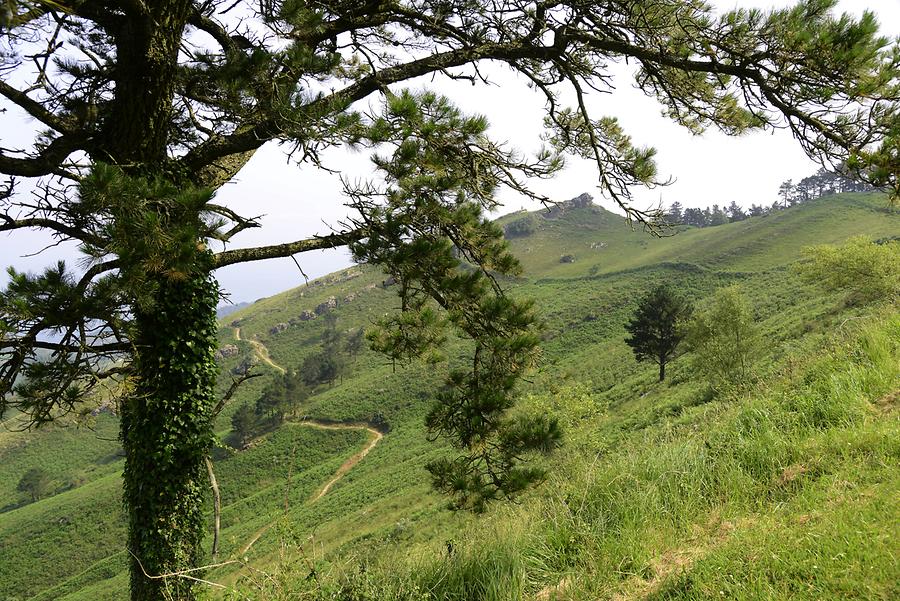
x: 751, y: 497
x: 661, y: 491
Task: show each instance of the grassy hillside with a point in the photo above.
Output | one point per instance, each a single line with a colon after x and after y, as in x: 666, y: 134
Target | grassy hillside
x: 662, y: 491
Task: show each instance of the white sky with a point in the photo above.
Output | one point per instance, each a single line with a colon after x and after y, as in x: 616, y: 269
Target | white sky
x: 296, y: 203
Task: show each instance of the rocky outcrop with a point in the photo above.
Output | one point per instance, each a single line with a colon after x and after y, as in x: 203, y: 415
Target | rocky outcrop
x: 327, y: 306
x: 581, y: 201
x: 229, y: 350
x: 278, y: 328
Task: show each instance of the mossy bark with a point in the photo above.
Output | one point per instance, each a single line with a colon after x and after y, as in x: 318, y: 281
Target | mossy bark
x: 167, y: 433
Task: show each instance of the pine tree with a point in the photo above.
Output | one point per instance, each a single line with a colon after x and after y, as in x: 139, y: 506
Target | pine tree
x: 657, y: 327
x: 674, y: 215
x: 243, y: 424
x: 717, y: 216
x: 143, y: 110
x: 735, y: 212
x: 788, y: 194
x: 695, y: 217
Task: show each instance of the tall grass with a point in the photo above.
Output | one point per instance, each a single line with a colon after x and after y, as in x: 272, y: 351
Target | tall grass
x: 681, y: 489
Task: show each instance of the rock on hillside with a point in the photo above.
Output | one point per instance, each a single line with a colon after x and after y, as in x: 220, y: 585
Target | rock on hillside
x: 581, y: 201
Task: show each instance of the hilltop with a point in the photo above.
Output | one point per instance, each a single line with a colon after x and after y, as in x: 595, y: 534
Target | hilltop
x: 661, y: 491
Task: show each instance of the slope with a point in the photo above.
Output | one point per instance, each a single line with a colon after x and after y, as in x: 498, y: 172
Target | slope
x: 383, y: 506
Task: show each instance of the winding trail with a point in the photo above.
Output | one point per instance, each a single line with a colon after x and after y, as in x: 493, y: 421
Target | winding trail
x: 260, y: 349
x: 347, y: 465
x: 263, y: 354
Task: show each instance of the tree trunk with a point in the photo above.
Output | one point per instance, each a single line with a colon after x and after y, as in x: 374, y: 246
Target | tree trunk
x: 662, y: 370
x: 167, y: 433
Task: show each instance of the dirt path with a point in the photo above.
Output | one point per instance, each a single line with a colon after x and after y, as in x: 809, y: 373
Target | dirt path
x: 340, y: 473
x: 347, y: 465
x: 260, y: 349
x: 263, y: 353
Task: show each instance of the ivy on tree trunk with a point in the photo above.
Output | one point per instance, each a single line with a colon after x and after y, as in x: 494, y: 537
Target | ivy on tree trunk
x: 167, y: 433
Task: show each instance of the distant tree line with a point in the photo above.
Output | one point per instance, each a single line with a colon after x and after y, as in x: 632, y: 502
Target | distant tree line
x: 710, y: 216
x: 821, y: 183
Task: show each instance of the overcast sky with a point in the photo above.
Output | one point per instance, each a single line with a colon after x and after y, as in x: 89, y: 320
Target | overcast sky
x: 296, y: 203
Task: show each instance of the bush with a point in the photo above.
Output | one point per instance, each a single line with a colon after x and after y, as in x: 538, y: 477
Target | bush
x: 520, y: 228
x: 723, y: 339
x: 35, y: 483
x: 868, y: 270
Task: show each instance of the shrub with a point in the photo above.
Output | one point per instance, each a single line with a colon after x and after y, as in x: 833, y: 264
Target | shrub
x: 868, y: 270
x: 723, y: 339
x: 520, y: 228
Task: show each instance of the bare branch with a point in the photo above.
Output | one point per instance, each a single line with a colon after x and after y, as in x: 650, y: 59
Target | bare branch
x: 46, y: 162
x: 9, y: 224
x: 246, y: 255
x: 35, y: 109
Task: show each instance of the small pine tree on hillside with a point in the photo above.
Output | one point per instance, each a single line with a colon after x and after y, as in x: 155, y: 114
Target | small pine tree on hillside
x: 675, y: 214
x: 735, y: 212
x: 656, y: 327
x: 243, y: 424
x: 354, y: 342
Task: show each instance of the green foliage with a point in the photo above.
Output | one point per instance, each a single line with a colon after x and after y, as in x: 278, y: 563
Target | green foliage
x: 354, y: 342
x: 633, y: 450
x: 689, y: 506
x: 868, y: 270
x: 724, y: 340
x: 243, y: 424
x: 320, y: 368
x: 35, y: 483
x: 47, y: 378
x: 167, y: 433
x: 520, y: 228
x: 283, y: 394
x: 162, y: 120
x: 431, y: 238
x: 657, y: 326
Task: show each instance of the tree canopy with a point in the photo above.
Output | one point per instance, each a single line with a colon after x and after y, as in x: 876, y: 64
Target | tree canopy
x: 658, y: 326
x: 142, y: 110
x: 35, y: 482
x: 724, y: 339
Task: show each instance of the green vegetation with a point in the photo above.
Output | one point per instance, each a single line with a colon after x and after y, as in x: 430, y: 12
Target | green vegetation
x: 723, y: 339
x: 782, y: 488
x: 869, y: 270
x: 35, y: 483
x: 520, y: 228
x: 657, y: 327
x: 131, y: 142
